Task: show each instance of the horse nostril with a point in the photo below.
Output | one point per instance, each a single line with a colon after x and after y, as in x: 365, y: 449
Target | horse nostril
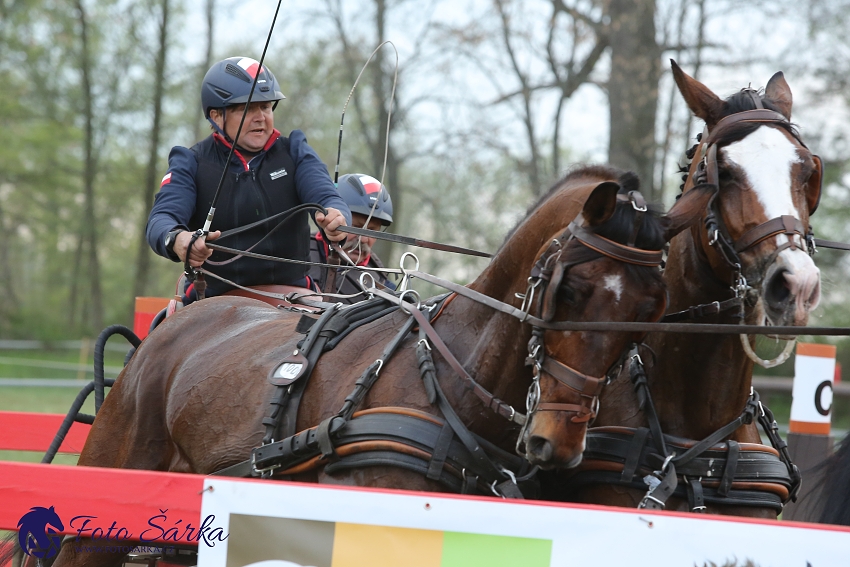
x: 539, y: 449
x: 777, y: 290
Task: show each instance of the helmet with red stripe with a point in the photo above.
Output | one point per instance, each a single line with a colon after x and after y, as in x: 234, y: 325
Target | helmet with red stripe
x: 362, y: 192
x: 229, y: 82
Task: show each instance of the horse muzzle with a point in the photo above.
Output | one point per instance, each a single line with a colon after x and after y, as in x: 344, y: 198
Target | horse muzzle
x: 555, y: 447
x: 791, y: 289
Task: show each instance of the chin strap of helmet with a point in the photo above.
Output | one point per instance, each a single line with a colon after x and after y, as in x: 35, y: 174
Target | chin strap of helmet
x: 191, y: 273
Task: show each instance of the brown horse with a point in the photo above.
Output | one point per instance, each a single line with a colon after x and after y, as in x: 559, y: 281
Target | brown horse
x: 748, y: 256
x: 194, y: 395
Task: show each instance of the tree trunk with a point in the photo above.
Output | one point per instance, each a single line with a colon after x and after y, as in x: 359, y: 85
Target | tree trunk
x: 197, y: 132
x: 89, y: 220
x: 143, y: 258
x: 633, y: 88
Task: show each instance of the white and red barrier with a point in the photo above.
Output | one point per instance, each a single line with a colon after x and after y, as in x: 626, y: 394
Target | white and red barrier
x: 248, y: 522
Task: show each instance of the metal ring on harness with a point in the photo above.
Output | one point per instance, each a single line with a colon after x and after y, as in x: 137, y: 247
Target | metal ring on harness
x: 406, y: 279
x: 363, y: 283
x: 401, y: 301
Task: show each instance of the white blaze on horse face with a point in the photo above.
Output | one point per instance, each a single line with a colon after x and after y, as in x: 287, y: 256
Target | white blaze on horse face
x: 766, y: 157
x: 614, y: 284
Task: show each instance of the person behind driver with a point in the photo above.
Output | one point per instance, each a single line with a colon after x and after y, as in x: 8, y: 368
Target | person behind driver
x: 268, y: 173
x: 368, y: 199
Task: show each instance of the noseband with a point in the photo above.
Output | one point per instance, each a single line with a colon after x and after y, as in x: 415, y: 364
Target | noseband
x: 548, y: 273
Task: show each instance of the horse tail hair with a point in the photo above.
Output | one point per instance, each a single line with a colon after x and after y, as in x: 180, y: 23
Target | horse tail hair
x: 833, y: 497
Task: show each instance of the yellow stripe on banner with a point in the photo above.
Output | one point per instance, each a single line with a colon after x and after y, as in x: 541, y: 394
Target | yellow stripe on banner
x: 356, y: 545
x: 808, y: 427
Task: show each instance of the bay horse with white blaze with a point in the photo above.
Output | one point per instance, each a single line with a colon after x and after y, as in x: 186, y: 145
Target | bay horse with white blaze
x: 746, y: 262
x: 194, y: 395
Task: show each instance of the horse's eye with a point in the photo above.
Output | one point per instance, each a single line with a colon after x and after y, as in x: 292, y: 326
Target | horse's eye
x: 567, y: 294
x: 575, y: 291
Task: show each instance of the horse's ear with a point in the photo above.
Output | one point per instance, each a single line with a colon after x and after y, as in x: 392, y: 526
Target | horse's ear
x: 779, y: 93
x: 687, y: 210
x: 601, y: 203
x: 702, y: 102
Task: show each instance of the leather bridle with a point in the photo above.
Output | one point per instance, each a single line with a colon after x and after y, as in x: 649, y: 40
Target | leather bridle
x: 548, y: 272
x: 718, y: 236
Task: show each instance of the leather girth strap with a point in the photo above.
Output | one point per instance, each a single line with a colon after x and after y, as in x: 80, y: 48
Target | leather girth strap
x: 729, y: 473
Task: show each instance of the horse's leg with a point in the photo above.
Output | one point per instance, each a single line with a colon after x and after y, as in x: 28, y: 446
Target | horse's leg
x: 129, y: 432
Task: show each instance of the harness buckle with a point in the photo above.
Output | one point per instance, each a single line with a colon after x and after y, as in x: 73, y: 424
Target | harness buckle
x: 647, y: 497
x: 533, y: 397
x: 528, y: 296
x: 741, y: 286
x: 496, y: 492
x: 509, y: 473
x: 640, y: 209
x: 264, y: 472
x: 666, y: 462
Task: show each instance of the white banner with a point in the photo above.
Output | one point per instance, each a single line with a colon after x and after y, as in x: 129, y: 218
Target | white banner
x: 278, y: 524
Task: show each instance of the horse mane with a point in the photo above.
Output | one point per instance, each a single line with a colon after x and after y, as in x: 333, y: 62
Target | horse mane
x: 618, y: 227
x: 738, y: 102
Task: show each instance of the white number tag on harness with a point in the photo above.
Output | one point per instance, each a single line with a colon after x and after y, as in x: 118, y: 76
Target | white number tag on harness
x: 288, y: 370
x: 291, y: 369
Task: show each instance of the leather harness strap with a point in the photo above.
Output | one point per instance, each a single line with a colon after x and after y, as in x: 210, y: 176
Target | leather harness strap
x: 786, y: 224
x: 615, y: 250
x: 500, y: 407
x: 581, y: 383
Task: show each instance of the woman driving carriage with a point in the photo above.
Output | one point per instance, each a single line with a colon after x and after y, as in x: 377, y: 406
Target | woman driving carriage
x: 267, y: 174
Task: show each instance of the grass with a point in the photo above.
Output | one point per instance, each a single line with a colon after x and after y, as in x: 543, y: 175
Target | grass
x: 62, y: 363
x: 41, y: 400
x: 58, y: 364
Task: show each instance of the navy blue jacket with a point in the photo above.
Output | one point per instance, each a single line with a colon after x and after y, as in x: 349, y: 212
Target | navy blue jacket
x: 181, y: 203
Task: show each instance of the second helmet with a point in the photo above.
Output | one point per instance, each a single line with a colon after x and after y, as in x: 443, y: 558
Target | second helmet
x: 361, y: 192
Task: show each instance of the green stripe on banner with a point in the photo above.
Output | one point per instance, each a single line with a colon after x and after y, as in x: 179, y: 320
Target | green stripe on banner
x: 476, y: 550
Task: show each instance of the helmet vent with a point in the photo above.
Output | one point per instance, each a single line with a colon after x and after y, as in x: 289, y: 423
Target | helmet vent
x: 222, y: 93
x: 231, y: 69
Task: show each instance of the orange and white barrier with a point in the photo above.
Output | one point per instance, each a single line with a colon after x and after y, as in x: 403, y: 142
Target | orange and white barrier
x: 814, y: 375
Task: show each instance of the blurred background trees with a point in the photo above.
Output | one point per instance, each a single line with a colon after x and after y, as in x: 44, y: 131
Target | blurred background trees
x: 495, y: 100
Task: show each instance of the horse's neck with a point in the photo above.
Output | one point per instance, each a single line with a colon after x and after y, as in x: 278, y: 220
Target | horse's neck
x: 699, y: 382
x: 490, y: 345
